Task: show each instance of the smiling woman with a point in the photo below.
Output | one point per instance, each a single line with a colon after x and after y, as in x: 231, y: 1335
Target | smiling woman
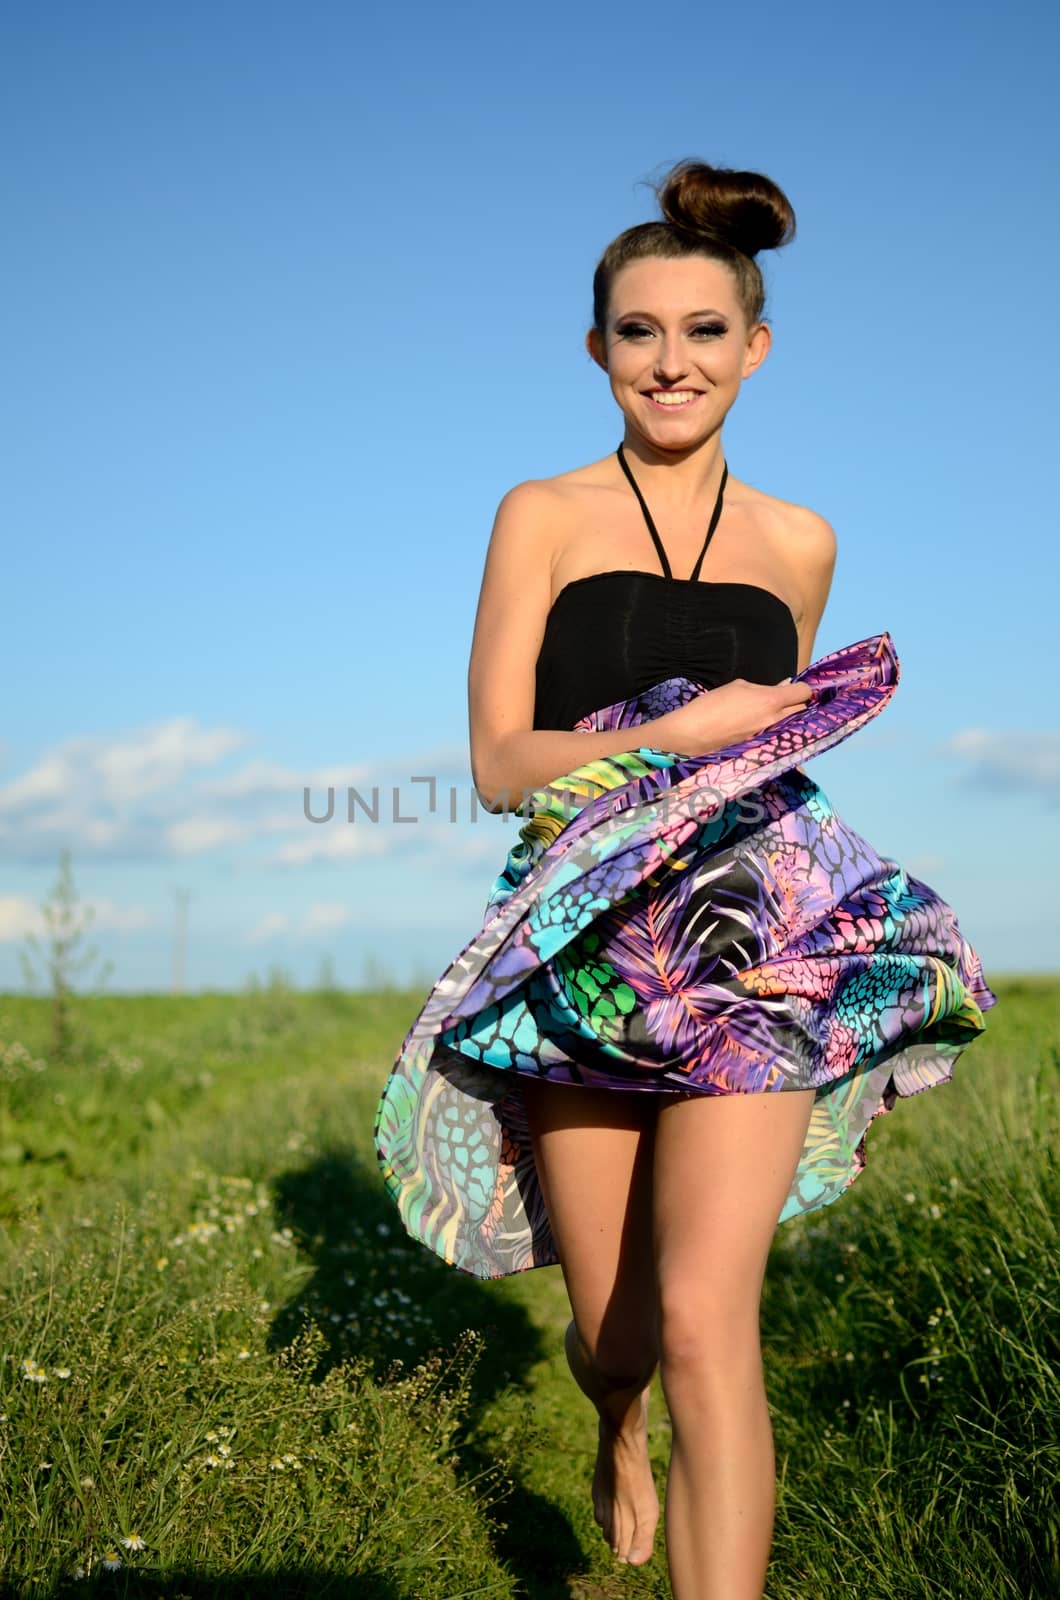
x: 696, y: 986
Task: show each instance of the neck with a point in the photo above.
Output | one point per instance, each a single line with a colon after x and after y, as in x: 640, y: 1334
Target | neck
x: 682, y: 477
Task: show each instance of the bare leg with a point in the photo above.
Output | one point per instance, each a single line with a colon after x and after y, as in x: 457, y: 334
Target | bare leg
x: 723, y: 1167
x: 592, y: 1148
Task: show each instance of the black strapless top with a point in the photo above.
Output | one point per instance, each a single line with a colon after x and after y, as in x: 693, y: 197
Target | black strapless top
x: 611, y: 635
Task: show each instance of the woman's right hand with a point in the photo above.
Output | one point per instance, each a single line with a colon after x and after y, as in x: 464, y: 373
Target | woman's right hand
x: 723, y: 716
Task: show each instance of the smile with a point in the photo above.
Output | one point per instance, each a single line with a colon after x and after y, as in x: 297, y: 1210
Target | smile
x: 673, y: 399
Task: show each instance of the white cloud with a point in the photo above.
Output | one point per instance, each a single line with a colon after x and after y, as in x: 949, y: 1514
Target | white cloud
x: 124, y: 919
x: 325, y: 916
x: 338, y: 843
x: 255, y: 778
x: 269, y: 927
x: 194, y: 835
x: 121, y: 770
x: 48, y: 780
x: 19, y: 916
x: 157, y: 758
x: 151, y: 793
x: 1009, y: 761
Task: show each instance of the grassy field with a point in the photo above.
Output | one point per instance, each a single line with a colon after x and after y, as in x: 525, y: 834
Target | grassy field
x: 228, y: 1372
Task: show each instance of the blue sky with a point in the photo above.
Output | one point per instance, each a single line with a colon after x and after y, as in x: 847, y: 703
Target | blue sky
x: 295, y: 293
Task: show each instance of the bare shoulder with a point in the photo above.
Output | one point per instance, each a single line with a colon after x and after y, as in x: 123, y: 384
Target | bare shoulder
x: 522, y: 540
x: 811, y: 535
x: 563, y: 488
x: 535, y: 517
x: 530, y: 504
x: 790, y: 516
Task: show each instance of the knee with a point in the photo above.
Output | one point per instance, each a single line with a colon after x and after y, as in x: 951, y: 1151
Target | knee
x: 707, y: 1336
x: 622, y: 1361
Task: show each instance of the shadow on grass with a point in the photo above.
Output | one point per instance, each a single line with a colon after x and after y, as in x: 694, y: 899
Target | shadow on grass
x: 291, y: 1583
x: 375, y: 1291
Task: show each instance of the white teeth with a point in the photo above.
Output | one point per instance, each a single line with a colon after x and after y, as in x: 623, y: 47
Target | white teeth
x: 674, y: 397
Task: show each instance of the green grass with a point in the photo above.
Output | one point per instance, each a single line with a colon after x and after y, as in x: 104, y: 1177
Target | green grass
x: 283, y: 1395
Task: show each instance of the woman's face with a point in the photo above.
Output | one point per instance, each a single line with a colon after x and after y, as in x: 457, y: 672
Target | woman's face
x: 676, y: 327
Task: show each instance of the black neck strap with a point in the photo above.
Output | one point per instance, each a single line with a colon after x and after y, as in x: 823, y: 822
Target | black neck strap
x: 715, y: 515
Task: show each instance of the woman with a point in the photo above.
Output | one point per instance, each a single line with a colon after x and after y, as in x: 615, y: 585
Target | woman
x: 685, y: 922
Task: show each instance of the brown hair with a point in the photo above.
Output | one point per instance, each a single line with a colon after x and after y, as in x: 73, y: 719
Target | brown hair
x: 709, y: 211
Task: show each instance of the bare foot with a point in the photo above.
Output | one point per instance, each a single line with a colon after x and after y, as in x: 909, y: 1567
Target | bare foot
x: 625, y: 1500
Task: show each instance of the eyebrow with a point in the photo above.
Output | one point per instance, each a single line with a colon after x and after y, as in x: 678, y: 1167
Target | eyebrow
x: 709, y: 312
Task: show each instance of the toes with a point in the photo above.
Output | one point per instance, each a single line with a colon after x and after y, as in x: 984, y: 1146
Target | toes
x: 641, y: 1546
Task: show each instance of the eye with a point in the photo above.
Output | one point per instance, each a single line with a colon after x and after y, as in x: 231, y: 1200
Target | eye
x: 637, y: 330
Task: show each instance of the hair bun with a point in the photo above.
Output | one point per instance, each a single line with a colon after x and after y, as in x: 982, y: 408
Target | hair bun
x: 746, y: 210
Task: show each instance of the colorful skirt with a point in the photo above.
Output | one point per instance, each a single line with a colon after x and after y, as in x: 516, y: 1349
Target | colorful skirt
x: 679, y: 925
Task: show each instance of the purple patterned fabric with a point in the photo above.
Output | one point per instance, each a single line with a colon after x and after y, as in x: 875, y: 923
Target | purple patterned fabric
x: 676, y: 924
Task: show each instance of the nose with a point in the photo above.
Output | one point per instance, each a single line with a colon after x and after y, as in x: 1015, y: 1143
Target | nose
x: 671, y: 362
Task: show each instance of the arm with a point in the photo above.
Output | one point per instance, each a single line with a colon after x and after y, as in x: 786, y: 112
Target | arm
x: 817, y: 564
